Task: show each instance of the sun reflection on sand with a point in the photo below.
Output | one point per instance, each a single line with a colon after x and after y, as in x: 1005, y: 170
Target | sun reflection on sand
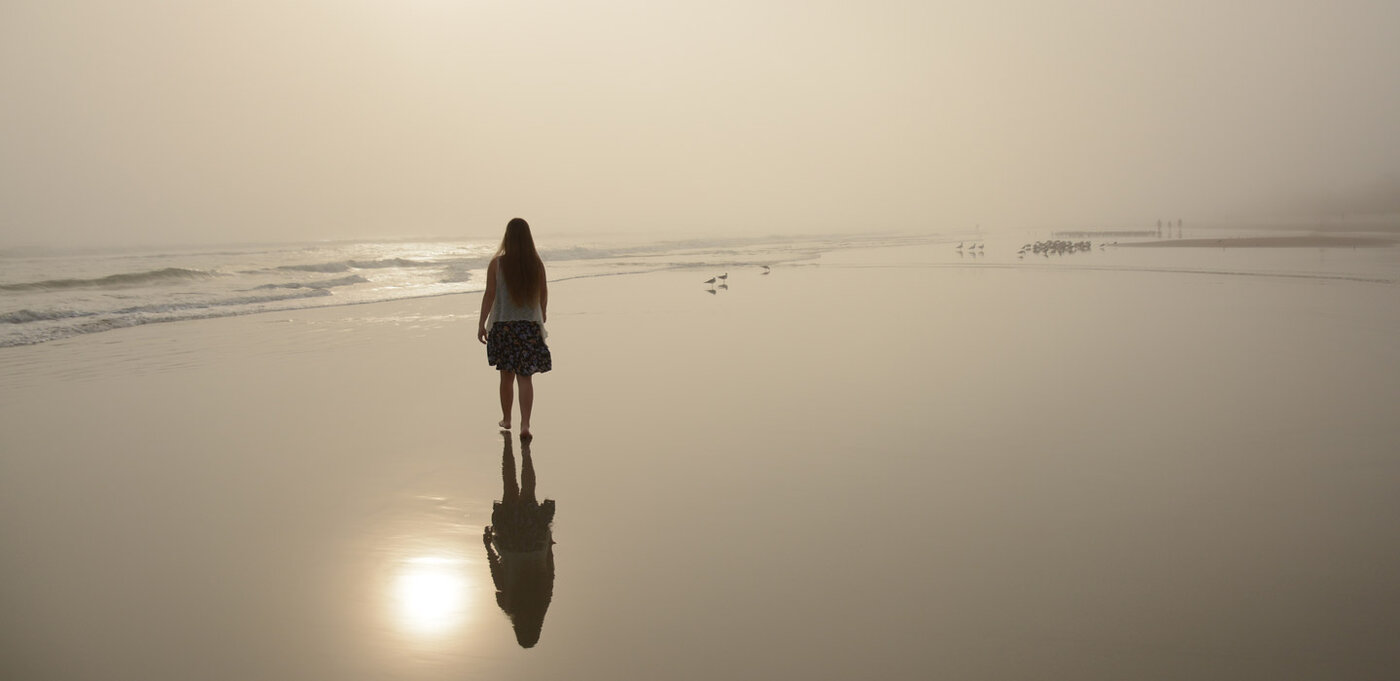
x: 431, y: 595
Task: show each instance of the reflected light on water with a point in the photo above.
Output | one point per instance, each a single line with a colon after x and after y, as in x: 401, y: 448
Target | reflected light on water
x: 430, y: 595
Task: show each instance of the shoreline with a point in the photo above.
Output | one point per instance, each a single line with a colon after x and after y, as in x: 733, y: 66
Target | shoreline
x: 1312, y: 241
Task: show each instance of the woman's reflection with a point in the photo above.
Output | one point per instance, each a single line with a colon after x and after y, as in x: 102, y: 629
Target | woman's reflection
x: 520, y: 548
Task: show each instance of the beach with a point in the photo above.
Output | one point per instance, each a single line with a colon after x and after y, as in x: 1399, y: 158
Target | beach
x: 897, y: 461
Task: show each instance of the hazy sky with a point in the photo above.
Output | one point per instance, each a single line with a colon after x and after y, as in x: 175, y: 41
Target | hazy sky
x: 140, y: 121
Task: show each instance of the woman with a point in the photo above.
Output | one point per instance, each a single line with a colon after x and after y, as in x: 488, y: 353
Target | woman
x: 513, y: 308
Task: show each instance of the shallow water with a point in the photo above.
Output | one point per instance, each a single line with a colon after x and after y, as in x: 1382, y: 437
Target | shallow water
x: 878, y: 462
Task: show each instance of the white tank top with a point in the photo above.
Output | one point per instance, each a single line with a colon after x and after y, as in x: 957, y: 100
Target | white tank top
x: 505, y: 309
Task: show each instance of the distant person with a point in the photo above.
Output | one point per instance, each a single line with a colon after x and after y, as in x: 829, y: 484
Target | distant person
x: 513, y: 313
x: 520, y: 548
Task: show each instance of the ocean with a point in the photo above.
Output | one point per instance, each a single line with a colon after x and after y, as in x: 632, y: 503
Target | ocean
x: 55, y: 295
x: 47, y: 296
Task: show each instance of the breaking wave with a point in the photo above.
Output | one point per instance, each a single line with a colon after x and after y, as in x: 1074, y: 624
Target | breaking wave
x: 27, y: 316
x: 457, y: 272
x: 94, y: 322
x: 166, y: 275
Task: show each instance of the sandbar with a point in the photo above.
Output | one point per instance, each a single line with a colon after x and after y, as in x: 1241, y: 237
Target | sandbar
x: 1308, y: 241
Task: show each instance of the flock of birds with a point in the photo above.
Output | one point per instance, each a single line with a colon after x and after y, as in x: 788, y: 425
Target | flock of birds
x: 721, y: 281
x: 1042, y: 248
x: 1055, y: 246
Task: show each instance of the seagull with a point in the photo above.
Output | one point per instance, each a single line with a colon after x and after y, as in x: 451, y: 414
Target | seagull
x: 723, y: 277
x: 765, y: 267
x: 960, y: 245
x: 710, y: 281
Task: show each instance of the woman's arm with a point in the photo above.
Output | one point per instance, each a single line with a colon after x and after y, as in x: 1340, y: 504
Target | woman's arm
x: 488, y: 298
x: 544, y: 295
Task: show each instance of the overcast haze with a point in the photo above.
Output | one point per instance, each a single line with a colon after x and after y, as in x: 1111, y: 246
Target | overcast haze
x: 146, y: 122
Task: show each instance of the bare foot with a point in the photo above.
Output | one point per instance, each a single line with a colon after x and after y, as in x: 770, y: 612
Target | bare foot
x: 504, y: 424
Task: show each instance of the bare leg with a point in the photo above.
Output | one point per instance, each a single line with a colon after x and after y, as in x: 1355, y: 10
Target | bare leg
x: 507, y: 396
x: 527, y: 401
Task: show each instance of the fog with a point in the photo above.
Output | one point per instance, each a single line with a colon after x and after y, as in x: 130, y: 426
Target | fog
x: 217, y: 121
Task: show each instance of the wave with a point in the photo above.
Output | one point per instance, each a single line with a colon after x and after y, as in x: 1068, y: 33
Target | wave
x: 324, y: 268
x: 214, y: 306
x: 27, y: 316
x: 458, y: 272
x: 168, y: 274
x: 94, y: 322
x: 390, y: 262
x: 331, y: 283
x: 338, y: 266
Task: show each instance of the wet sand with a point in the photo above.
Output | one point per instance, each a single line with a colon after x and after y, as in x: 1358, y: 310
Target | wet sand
x: 862, y: 466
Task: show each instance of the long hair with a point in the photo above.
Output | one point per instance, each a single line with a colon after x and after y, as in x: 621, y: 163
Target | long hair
x: 520, y: 263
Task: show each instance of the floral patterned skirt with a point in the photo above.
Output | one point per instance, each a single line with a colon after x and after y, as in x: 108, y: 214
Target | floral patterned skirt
x: 518, y: 347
